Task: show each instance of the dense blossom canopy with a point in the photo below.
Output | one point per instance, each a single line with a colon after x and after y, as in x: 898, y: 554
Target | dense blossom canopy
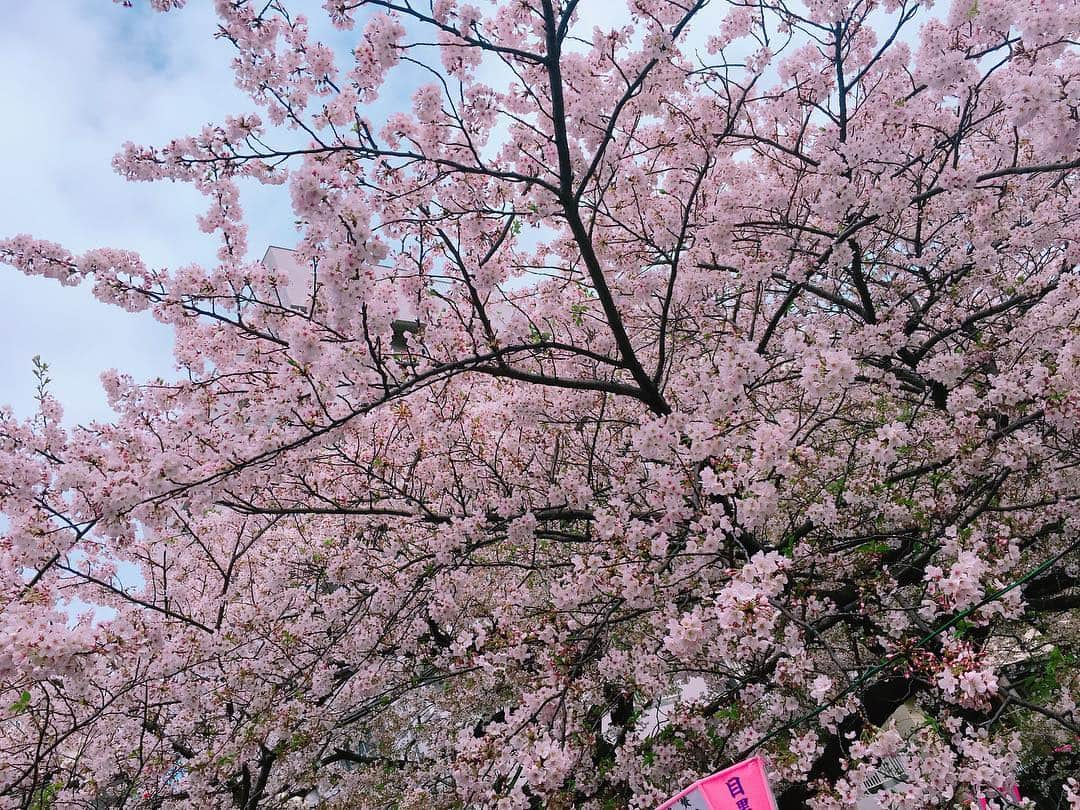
x: 739, y: 406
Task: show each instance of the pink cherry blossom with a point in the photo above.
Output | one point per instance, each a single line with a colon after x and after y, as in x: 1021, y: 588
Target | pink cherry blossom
x: 649, y: 390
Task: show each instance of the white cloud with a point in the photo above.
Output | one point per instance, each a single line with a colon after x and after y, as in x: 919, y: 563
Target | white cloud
x: 79, y: 79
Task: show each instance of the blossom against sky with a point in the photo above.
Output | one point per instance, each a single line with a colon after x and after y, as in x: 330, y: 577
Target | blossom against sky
x: 78, y: 80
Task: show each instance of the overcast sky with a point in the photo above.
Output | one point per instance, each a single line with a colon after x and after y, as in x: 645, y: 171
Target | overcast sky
x: 79, y: 78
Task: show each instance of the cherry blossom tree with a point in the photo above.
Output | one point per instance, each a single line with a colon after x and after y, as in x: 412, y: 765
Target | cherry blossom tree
x: 739, y: 407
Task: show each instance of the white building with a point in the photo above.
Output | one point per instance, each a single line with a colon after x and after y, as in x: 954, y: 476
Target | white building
x: 298, y: 292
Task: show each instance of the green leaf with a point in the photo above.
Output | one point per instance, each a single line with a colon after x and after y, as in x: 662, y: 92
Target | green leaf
x: 43, y: 799
x: 22, y: 704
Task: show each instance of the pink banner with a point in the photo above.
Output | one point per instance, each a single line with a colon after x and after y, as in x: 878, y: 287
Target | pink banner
x: 740, y: 787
